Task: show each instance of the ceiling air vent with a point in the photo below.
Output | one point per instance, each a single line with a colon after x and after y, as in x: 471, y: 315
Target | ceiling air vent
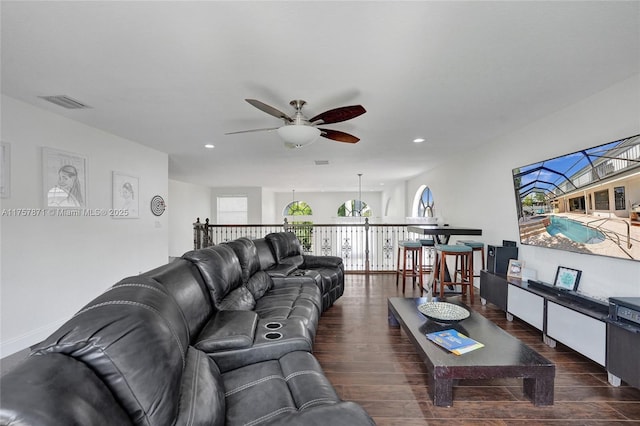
x: 322, y: 162
x: 65, y: 102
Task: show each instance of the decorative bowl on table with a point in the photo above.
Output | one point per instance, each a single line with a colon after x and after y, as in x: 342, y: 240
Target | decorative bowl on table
x: 444, y: 312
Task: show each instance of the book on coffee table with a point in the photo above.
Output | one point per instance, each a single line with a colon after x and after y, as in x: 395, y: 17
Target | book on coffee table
x: 454, y: 341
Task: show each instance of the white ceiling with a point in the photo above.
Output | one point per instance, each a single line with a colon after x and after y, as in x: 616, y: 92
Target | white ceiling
x: 174, y: 76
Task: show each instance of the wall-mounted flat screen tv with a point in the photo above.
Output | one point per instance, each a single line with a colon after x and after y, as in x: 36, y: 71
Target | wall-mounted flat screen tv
x: 585, y: 202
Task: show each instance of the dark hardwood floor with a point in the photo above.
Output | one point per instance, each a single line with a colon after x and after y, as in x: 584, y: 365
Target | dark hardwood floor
x: 375, y: 365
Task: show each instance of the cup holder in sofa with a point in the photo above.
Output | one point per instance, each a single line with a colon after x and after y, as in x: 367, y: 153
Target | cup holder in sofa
x: 273, y: 335
x: 273, y: 325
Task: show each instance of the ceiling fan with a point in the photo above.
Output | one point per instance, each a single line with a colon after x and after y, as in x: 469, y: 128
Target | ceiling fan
x: 299, y: 131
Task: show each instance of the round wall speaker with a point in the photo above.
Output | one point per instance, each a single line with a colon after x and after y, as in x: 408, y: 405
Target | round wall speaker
x: 157, y: 205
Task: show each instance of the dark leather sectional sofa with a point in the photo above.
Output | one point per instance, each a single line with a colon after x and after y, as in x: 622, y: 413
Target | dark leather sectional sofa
x: 221, y: 336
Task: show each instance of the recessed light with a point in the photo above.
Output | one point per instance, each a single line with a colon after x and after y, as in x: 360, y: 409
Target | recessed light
x: 418, y: 140
x: 209, y: 146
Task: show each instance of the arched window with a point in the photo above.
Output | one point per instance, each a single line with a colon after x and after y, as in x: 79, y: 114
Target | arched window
x: 425, y: 206
x: 297, y: 208
x: 354, y: 208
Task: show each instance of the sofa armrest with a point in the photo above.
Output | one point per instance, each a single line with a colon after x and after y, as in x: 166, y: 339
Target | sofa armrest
x: 56, y: 389
x: 281, y: 270
x: 228, y: 330
x: 312, y: 262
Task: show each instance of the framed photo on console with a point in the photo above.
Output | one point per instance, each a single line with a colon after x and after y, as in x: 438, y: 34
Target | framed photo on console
x: 567, y: 278
x: 515, y: 268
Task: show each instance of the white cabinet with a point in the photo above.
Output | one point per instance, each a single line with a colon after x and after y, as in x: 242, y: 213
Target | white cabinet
x: 525, y: 305
x: 580, y: 332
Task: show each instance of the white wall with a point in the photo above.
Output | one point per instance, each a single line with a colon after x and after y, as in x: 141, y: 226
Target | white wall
x: 477, y: 189
x: 268, y: 207
x: 188, y: 202
x: 394, y: 199
x: 52, y: 266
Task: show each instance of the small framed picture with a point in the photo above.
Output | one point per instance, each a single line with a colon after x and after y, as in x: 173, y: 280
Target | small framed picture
x: 515, y: 268
x: 126, y: 196
x: 567, y: 278
x: 65, y: 179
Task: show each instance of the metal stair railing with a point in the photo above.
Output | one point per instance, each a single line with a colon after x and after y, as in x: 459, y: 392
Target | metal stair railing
x: 363, y: 247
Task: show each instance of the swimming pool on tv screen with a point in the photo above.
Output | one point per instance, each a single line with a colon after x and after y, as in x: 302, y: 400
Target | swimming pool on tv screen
x: 574, y: 230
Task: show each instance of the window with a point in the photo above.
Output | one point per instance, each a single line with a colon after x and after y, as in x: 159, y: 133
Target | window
x: 298, y: 208
x: 426, y: 204
x: 601, y: 199
x: 618, y: 195
x: 354, y: 208
x: 232, y: 210
x: 576, y: 204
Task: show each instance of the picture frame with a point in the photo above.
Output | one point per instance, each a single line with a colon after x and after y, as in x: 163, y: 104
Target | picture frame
x: 567, y: 278
x: 125, y: 200
x: 64, y: 179
x: 515, y: 268
x: 5, y: 170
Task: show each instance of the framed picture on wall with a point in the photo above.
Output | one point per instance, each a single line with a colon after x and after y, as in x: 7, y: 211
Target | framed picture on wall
x: 515, y: 268
x: 5, y: 170
x: 125, y: 196
x: 65, y: 179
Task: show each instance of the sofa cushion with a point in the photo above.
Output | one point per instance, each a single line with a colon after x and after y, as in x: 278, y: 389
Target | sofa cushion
x: 286, y: 248
x: 256, y: 281
x: 228, y: 330
x: 183, y: 281
x: 265, y: 254
x: 290, y: 299
x: 239, y: 299
x: 220, y: 269
x: 295, y: 385
x: 247, y: 254
x: 259, y: 284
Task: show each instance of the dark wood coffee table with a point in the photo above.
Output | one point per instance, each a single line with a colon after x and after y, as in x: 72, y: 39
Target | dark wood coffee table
x: 502, y: 356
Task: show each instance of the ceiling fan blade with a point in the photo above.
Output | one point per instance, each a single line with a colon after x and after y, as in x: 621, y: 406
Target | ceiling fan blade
x: 339, y: 114
x: 253, y: 130
x: 269, y: 109
x: 337, y: 135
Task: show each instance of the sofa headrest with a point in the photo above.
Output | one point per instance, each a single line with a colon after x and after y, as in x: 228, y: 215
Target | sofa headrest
x: 183, y: 281
x: 247, y: 254
x: 286, y: 247
x: 135, y: 340
x: 220, y: 270
x: 265, y: 253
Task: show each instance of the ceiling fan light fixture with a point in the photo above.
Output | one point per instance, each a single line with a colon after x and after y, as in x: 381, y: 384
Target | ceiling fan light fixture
x: 298, y: 135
